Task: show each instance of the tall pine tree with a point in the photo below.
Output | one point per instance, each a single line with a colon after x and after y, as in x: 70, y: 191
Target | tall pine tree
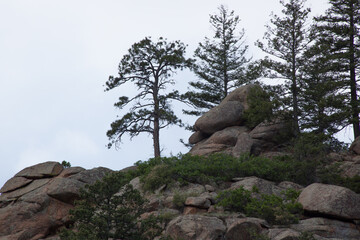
x: 322, y: 104
x: 220, y: 64
x: 149, y: 66
x: 286, y: 40
x: 339, y: 29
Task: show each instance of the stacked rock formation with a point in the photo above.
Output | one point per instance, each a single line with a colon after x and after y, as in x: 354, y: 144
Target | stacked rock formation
x: 222, y: 129
x: 36, y: 201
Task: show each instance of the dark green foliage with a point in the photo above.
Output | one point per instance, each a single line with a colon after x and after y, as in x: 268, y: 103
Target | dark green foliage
x: 150, y: 67
x: 272, y: 208
x: 103, y: 214
x: 66, y: 164
x: 220, y: 167
x: 221, y: 63
x: 286, y: 39
x: 332, y: 175
x: 261, y: 106
x: 322, y: 104
x: 338, y: 30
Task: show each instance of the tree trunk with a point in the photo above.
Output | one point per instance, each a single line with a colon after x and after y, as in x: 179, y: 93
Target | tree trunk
x: 156, y: 137
x: 156, y: 130
x: 354, y: 98
x: 294, y: 89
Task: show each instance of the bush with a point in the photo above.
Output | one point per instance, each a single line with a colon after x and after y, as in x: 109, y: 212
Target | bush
x: 110, y: 209
x: 260, y: 107
x: 221, y: 167
x: 272, y: 208
x: 332, y: 175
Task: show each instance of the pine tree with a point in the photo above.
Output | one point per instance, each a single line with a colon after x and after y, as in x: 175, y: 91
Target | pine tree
x: 220, y: 64
x: 339, y: 29
x: 150, y: 67
x: 322, y: 104
x: 286, y: 40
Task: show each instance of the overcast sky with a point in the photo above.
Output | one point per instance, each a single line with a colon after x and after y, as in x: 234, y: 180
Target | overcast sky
x: 55, y: 57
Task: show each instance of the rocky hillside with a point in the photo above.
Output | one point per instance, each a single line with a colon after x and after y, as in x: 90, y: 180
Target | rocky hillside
x: 35, y: 203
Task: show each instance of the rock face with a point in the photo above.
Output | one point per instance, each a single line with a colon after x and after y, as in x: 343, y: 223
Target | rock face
x: 36, y: 201
x: 222, y: 129
x: 330, y: 200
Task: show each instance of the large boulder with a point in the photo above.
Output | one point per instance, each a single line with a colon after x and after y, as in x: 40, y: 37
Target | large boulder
x: 225, y: 115
x: 330, y: 200
x: 36, y: 202
x: 194, y: 227
x: 228, y: 113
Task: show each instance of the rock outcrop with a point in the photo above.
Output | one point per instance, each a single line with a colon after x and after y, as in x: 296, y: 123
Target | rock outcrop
x: 332, y: 201
x: 222, y: 129
x: 36, y: 201
x: 34, y: 204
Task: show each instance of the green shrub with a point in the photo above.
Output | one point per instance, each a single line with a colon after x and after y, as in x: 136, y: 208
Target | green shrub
x: 66, y: 164
x: 301, y: 169
x: 110, y: 208
x: 214, y: 168
x: 332, y: 175
x: 272, y: 208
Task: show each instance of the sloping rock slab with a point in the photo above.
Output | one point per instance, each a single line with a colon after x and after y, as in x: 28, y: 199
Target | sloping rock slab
x: 10, y: 196
x: 195, y: 227
x: 331, y: 200
x: 203, y: 148
x: 328, y: 228
x: 41, y: 170
x: 15, y: 183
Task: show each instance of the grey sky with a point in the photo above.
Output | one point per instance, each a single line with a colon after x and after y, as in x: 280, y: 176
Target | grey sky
x: 55, y: 57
